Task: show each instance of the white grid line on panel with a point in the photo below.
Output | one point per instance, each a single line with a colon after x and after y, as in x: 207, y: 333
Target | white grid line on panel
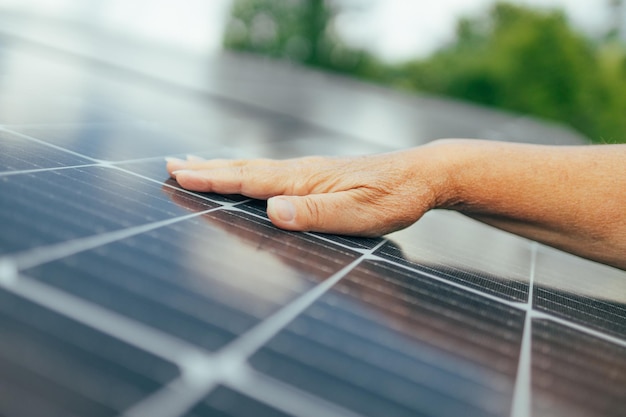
x: 180, y: 396
x: 522, y: 395
x: 43, y: 254
x: 343, y: 245
x: 35, y: 170
x: 575, y: 326
x: 106, y: 321
x: 251, y: 341
x: 282, y: 396
x: 173, y: 400
x: 60, y: 125
x: 96, y: 161
x: 230, y: 361
x: 362, y: 251
x: 8, y: 272
x: 514, y: 304
x: 43, y: 142
x: 588, y: 314
x: 369, y: 254
x: 201, y: 369
x: 524, y: 306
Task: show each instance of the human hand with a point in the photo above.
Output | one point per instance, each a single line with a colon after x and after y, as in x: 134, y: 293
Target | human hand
x: 365, y: 196
x: 568, y: 197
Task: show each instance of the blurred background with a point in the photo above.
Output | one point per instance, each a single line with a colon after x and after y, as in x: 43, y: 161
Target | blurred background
x: 560, y: 60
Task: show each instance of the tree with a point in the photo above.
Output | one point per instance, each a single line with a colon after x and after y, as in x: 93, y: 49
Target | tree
x: 532, y: 62
x: 297, y: 30
x: 516, y: 58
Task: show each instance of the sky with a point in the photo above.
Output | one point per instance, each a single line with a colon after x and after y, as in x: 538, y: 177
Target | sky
x: 394, y: 29
x: 401, y: 29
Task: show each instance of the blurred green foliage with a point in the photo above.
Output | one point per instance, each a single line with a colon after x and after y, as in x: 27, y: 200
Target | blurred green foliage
x: 514, y: 58
x: 296, y: 30
x: 531, y: 62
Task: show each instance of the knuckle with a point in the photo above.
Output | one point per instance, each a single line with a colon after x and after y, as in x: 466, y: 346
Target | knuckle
x: 238, y: 181
x: 313, y: 211
x: 236, y: 163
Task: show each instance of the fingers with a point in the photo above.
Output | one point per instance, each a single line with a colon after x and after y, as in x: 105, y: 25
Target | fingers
x: 341, y: 212
x: 224, y: 176
x: 366, y: 196
x: 257, y: 178
x: 255, y: 182
x: 197, y: 163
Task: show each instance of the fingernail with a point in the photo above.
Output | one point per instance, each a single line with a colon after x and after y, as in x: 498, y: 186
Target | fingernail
x: 194, y: 158
x: 181, y: 171
x: 169, y: 159
x: 283, y: 209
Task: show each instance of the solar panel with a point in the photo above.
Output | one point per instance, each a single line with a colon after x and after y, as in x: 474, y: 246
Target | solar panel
x: 122, y: 294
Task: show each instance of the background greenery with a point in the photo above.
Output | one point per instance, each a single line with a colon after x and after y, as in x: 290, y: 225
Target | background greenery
x: 515, y: 58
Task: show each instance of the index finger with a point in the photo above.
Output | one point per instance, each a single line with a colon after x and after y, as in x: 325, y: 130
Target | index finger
x: 251, y: 180
x: 195, y: 164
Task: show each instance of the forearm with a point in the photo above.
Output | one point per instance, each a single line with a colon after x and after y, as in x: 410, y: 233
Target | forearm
x: 573, y: 198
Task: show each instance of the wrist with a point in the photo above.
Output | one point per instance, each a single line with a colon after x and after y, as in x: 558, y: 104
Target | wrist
x: 451, y: 161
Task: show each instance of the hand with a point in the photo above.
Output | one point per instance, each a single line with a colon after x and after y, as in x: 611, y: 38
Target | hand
x: 366, y: 196
x: 571, y: 198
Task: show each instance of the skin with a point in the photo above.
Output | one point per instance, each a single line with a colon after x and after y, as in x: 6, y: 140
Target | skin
x: 572, y: 198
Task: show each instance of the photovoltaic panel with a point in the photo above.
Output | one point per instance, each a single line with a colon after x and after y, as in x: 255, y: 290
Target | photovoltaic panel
x: 591, y: 295
x: 385, y: 340
x: 606, y: 316
x: 122, y: 294
x: 33, y: 108
x: 76, y: 203
x: 576, y: 374
x: 181, y: 278
x: 501, y: 267
x: 20, y: 154
x: 52, y: 365
x: 223, y: 402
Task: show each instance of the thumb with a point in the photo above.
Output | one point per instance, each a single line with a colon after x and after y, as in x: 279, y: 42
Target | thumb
x: 330, y: 213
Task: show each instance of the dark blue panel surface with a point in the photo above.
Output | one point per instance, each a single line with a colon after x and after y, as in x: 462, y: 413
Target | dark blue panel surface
x: 388, y: 341
x: 54, y: 206
x: 575, y: 374
x: 463, y: 251
x: 25, y: 107
x: 53, y: 366
x: 224, y: 402
x: 18, y: 153
x: 182, y: 279
x: 115, y: 142
x: 146, y: 300
x: 604, y: 315
x: 586, y: 293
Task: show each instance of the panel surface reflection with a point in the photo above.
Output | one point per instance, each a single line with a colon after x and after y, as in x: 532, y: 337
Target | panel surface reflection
x: 205, y: 280
x: 575, y: 374
x: 431, y: 321
x: 456, y: 248
x: 22, y: 154
x: 53, y: 366
x: 55, y: 206
x: 582, y: 291
x: 389, y: 341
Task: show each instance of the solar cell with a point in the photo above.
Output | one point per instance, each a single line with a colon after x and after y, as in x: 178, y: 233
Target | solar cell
x: 576, y: 374
x: 182, y: 278
x: 223, y: 402
x: 54, y: 206
x: 52, y: 365
x: 122, y: 294
x: 385, y: 340
x: 19, y: 154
